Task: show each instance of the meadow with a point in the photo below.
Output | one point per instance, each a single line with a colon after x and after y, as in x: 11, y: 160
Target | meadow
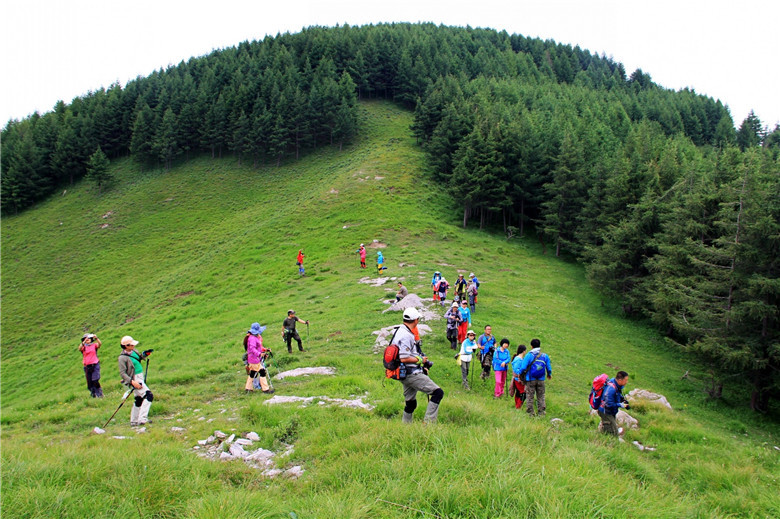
x: 185, y: 260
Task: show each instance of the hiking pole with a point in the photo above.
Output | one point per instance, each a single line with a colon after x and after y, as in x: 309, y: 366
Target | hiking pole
x: 124, y: 398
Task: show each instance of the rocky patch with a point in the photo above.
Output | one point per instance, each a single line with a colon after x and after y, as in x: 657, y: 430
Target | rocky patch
x: 305, y: 372
x: 356, y: 403
x: 220, y: 447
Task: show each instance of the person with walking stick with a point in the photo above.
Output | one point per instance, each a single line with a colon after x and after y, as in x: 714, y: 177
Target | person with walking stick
x: 289, y: 333
x: 132, y: 373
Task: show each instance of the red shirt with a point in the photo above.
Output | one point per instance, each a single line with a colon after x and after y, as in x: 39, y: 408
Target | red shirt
x: 90, y: 353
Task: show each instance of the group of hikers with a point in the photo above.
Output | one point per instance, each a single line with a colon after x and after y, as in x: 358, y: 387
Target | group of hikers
x: 529, y: 369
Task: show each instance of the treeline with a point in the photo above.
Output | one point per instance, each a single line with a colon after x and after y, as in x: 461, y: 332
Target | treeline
x: 673, y: 211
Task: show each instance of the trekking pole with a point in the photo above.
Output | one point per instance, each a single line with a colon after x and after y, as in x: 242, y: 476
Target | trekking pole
x: 307, y: 334
x: 146, y: 371
x: 124, y: 398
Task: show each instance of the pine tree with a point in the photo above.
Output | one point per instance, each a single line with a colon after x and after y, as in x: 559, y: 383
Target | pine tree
x: 97, y: 170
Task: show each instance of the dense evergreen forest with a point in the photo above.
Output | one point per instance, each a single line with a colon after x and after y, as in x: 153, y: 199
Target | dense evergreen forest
x: 675, y: 214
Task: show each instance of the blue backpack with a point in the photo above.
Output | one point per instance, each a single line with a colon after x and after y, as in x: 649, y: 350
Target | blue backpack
x: 538, y: 368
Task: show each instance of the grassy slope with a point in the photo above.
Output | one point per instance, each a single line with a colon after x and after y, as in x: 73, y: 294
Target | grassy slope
x: 192, y: 257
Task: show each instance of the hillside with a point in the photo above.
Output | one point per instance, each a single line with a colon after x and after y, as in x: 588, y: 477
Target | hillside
x: 186, y: 260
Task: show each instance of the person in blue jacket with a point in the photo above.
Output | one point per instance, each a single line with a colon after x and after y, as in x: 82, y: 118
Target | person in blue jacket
x: 501, y: 364
x: 380, y: 262
x: 611, y: 401
x: 537, y: 369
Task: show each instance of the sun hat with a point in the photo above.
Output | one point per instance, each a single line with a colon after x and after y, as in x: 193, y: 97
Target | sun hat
x: 454, y: 303
x: 470, y: 332
x: 256, y: 329
x: 127, y: 341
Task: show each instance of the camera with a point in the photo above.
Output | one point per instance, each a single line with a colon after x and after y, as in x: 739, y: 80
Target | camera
x: 147, y: 352
x: 428, y: 364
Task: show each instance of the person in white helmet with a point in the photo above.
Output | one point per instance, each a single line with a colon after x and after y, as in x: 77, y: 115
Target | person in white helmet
x: 416, y: 366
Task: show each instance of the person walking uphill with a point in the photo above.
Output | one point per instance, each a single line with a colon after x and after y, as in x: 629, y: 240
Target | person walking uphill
x: 501, y: 363
x: 289, y: 333
x: 536, y: 367
x: 88, y: 348
x: 362, y: 252
x: 255, y: 354
x: 611, y: 401
x: 460, y: 288
x: 416, y: 379
x: 132, y: 373
x: 435, y: 284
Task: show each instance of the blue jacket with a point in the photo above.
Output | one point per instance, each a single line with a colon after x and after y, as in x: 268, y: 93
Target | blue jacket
x: 531, y: 357
x: 379, y: 258
x: 488, y: 344
x: 465, y: 315
x: 611, y: 398
x: 501, y: 357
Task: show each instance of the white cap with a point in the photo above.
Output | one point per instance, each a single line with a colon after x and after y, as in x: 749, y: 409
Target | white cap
x: 411, y: 314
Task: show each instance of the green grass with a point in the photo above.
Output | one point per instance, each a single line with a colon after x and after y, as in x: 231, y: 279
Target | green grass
x: 190, y: 258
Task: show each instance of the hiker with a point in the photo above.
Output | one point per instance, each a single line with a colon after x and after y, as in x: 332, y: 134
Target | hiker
x: 255, y: 355
x: 299, y: 262
x: 132, y: 373
x: 415, y: 364
x: 435, y: 284
x: 471, y: 294
x: 611, y: 401
x: 289, y: 333
x: 380, y: 262
x: 465, y: 320
x: 501, y: 363
x: 88, y: 348
x: 460, y: 288
x: 473, y: 278
x: 517, y: 383
x: 402, y: 292
x: 362, y: 252
x: 487, y: 346
x: 442, y: 287
x: 536, y: 367
x: 466, y: 354
x: 453, y: 320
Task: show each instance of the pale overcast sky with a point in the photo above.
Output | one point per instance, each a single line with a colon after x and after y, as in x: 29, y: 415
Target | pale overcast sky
x: 59, y: 49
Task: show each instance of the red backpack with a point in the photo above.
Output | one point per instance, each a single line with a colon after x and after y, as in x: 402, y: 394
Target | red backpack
x: 597, y: 390
x: 392, y: 360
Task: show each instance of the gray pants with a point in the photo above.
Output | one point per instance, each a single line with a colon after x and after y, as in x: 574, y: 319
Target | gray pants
x: 420, y: 382
x: 464, y: 371
x: 535, y: 388
x: 608, y: 423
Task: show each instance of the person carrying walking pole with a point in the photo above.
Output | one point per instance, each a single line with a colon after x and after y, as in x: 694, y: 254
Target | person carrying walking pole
x: 132, y: 373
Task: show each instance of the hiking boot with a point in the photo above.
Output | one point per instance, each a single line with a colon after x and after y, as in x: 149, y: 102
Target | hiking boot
x: 269, y: 391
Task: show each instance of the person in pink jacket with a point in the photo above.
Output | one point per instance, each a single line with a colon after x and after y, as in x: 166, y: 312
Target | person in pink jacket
x: 362, y: 252
x: 255, y: 355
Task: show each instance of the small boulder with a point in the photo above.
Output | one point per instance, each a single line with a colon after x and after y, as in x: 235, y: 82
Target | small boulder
x: 220, y: 435
x: 225, y: 456
x: 643, y: 394
x: 237, y: 451
x: 98, y: 430
x: 253, y: 436
x: 177, y: 429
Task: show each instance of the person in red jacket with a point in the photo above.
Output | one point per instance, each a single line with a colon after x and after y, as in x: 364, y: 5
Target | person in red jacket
x: 299, y: 262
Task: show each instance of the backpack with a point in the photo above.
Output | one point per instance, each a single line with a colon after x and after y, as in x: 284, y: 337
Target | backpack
x: 537, y: 369
x: 443, y: 286
x: 392, y: 361
x: 597, y: 390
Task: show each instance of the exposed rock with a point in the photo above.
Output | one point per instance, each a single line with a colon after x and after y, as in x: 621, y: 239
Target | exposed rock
x: 642, y: 447
x: 177, y: 429
x: 98, y: 430
x: 243, y: 441
x: 253, y: 436
x: 220, y: 435
x: 557, y: 422
x: 414, y: 301
x: 238, y: 451
x: 321, y: 400
x: 303, y: 372
x: 141, y: 430
x: 374, y: 282
x: 231, y: 438
x: 643, y: 394
x: 122, y: 437
x: 294, y: 472
x: 225, y: 456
